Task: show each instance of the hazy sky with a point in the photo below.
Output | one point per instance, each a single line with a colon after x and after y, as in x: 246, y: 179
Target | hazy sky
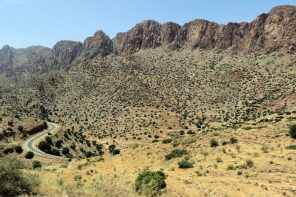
x: 44, y: 22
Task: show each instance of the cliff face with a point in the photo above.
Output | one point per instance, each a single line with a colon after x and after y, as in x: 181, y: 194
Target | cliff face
x: 269, y: 32
x: 275, y: 31
x: 65, y: 52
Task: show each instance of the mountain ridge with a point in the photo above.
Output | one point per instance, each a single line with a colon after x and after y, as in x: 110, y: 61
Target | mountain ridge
x: 274, y: 31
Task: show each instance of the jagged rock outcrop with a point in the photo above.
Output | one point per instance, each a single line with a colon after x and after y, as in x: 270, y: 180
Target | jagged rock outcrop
x: 143, y: 35
x: 269, y: 32
x: 98, y: 45
x: 65, y: 52
x: 169, y: 32
x: 273, y: 31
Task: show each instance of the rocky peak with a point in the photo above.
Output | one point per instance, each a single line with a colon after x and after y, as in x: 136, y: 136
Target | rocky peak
x: 65, y: 52
x: 98, y: 45
x: 143, y: 35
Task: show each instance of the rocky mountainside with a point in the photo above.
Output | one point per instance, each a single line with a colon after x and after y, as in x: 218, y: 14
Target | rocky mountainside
x: 275, y: 31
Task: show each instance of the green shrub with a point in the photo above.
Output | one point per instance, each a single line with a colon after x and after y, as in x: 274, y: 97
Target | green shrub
x: 219, y: 160
x: 292, y: 131
x: 65, y: 151
x: 77, y: 178
x: 58, y: 143
x: 176, y: 153
x: 150, y: 183
x: 185, y: 164
x: 36, y: 164
x: 250, y: 163
x: 45, y: 146
x: 13, y: 181
x: 231, y: 167
x: 18, y: 149
x: 167, y: 140
x: 55, y: 152
x: 291, y: 147
x: 233, y: 140
x: 29, y: 155
x: 190, y: 132
x: 48, y: 139
x: 73, y: 146
x: 113, y: 150
x: 214, y: 142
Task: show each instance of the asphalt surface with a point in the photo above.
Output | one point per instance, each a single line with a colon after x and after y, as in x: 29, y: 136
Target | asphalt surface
x: 32, y: 143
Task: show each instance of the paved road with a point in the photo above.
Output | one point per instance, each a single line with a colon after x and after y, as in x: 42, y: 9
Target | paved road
x: 32, y: 143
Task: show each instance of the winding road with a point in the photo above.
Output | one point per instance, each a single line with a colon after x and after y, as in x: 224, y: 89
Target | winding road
x: 32, y: 143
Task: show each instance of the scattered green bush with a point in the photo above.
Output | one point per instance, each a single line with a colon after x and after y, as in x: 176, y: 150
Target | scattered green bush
x: 36, y: 164
x: 190, y: 132
x: 250, y: 163
x: 18, y: 149
x: 77, y: 178
x: 65, y: 151
x: 167, y: 140
x: 29, y: 155
x: 214, y: 142
x: 176, y: 153
x: 233, y: 140
x: 48, y: 139
x: 45, y: 146
x: 58, y: 143
x: 231, y: 167
x: 150, y: 183
x: 113, y: 150
x: 55, y: 152
x: 291, y: 147
x: 184, y: 164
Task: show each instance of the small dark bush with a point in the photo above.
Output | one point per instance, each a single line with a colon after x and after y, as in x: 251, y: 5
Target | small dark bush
x: 250, y: 163
x: 233, y: 140
x: 45, y: 147
x: 65, y: 151
x: 58, y: 143
x: 113, y: 150
x: 167, y: 141
x: 214, y: 142
x: 55, y: 152
x: 18, y: 149
x: 20, y: 128
x: 292, y: 131
x: 190, y: 132
x: 36, y: 164
x: 73, y: 146
x: 29, y: 155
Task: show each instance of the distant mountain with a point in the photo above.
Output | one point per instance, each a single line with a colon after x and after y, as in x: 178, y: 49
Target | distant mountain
x: 275, y: 31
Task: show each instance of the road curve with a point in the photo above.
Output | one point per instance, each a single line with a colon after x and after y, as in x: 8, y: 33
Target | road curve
x: 32, y: 143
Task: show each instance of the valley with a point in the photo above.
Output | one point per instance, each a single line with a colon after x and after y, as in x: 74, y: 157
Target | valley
x: 201, y: 109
